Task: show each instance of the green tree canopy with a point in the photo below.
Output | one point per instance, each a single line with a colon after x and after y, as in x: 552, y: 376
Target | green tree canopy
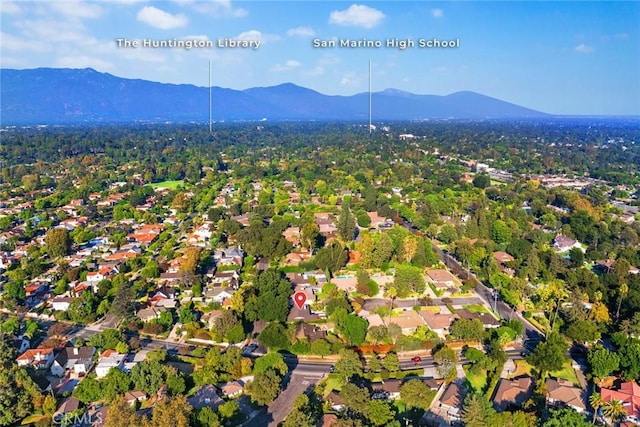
x: 332, y: 257
x: 264, y: 388
x: 416, y: 394
x: 57, y: 242
x: 349, y: 364
x: 602, y: 362
x: 275, y: 337
x: 550, y: 355
x: 271, y: 360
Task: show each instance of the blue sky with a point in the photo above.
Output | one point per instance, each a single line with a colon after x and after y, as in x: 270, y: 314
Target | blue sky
x: 561, y: 57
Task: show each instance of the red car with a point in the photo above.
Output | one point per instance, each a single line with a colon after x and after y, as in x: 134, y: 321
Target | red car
x: 416, y: 359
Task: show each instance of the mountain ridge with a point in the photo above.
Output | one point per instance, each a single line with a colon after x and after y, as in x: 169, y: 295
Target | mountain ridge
x: 72, y: 96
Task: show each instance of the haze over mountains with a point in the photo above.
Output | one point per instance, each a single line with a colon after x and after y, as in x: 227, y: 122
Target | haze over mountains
x: 75, y: 96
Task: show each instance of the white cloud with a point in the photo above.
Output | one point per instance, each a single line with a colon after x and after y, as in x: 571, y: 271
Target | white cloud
x: 301, y: 32
x: 127, y: 2
x: 83, y: 61
x: 158, y: 18
x: 77, y: 9
x: 357, y: 16
x: 257, y: 35
x: 9, y: 7
x: 350, y: 80
x: 137, y: 56
x: 196, y: 37
x: 8, y: 62
x: 437, y: 13
x: 53, y: 31
x: 218, y: 8
x: 583, y: 48
x: 322, y: 64
x: 10, y: 42
x: 289, y: 65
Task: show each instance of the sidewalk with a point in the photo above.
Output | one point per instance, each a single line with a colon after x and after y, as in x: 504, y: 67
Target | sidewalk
x: 508, y: 368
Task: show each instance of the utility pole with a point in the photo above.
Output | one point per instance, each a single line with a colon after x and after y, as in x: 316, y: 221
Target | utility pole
x: 210, y: 101
x: 370, y: 129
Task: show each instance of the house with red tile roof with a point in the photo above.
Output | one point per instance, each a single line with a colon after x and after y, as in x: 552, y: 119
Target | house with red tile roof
x: 39, y: 358
x: 146, y: 234
x: 629, y: 394
x: 100, y: 275
x: 109, y: 359
x: 123, y: 255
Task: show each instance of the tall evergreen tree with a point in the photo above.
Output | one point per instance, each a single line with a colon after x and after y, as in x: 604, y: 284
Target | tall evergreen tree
x: 346, y: 224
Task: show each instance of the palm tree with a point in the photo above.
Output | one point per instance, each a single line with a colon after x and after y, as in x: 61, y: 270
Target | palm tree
x: 392, y: 293
x: 596, y: 403
x: 622, y: 291
x: 614, y: 410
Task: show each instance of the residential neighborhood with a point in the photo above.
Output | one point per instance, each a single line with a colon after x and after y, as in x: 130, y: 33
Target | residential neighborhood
x: 490, y: 301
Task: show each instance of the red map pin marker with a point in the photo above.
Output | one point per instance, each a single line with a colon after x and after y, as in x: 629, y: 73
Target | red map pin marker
x: 299, y: 298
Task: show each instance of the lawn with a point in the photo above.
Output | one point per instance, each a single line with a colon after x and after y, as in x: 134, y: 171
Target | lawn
x: 437, y: 292
x: 409, y: 373
x: 539, y: 322
x: 567, y: 373
x: 195, y: 361
x: 33, y: 419
x: 522, y: 368
x: 476, y: 308
x: 172, y: 185
x: 334, y: 382
x: 478, y: 382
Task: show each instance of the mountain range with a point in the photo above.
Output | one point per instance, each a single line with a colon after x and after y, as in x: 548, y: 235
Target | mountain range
x: 76, y: 96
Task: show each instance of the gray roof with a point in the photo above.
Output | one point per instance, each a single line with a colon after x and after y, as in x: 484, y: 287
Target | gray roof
x: 69, y: 356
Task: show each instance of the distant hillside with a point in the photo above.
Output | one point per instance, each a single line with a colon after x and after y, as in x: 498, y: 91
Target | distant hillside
x: 73, y: 96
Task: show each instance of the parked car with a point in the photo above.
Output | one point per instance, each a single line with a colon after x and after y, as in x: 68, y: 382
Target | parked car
x: 249, y: 348
x: 416, y: 359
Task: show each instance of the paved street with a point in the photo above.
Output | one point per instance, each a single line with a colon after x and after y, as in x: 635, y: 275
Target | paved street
x: 371, y: 303
x: 487, y: 294
x: 484, y: 295
x: 302, y: 379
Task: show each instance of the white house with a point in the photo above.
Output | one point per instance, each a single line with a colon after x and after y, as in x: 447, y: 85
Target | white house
x: 219, y: 294
x: 109, y: 359
x: 75, y: 359
x: 563, y: 244
x: 232, y: 388
x: 39, y: 358
x: 60, y: 303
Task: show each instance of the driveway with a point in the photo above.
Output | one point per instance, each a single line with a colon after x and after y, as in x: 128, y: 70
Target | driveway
x: 278, y: 410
